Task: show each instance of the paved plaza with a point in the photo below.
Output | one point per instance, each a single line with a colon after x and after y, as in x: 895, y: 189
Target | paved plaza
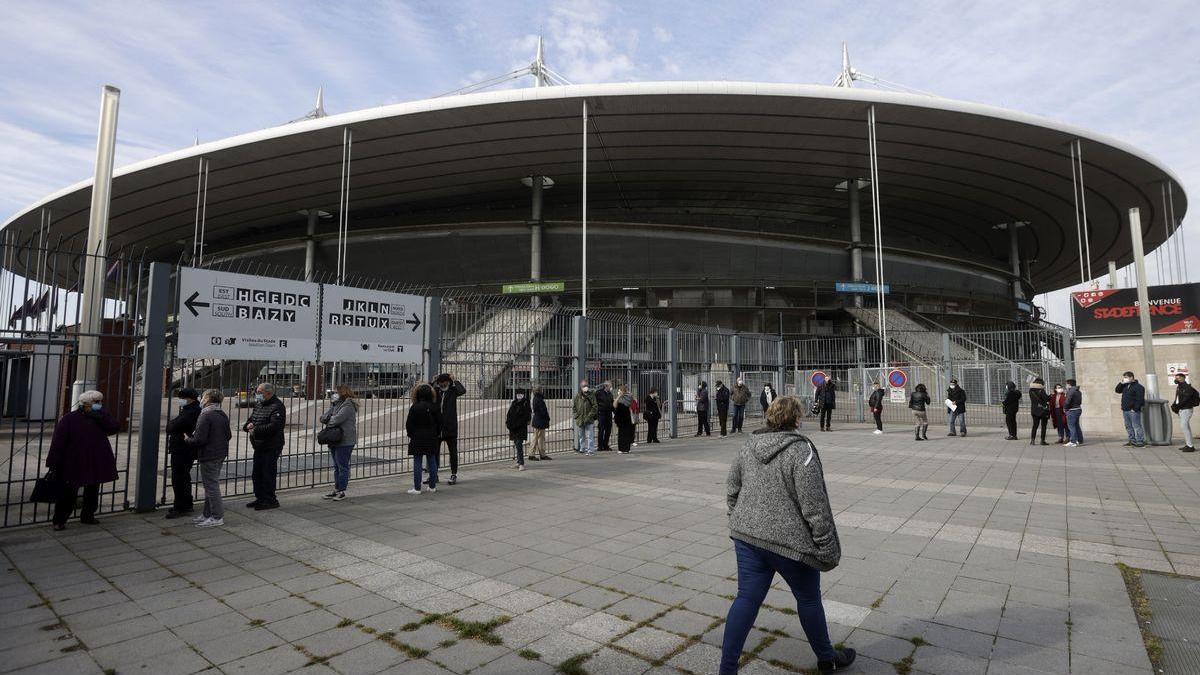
x: 961, y: 556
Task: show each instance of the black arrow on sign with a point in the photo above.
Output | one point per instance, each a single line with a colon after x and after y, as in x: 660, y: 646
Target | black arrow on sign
x: 191, y: 303
x: 415, y: 322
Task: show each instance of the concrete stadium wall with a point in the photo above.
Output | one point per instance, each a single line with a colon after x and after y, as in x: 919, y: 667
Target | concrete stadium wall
x: 1099, y: 363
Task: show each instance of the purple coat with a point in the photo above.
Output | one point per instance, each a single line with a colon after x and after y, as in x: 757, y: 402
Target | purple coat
x: 80, y: 452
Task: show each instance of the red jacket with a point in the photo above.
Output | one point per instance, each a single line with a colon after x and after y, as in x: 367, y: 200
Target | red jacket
x: 1058, y: 415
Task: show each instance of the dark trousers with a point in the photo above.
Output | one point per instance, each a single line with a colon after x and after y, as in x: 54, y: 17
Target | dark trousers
x: 181, y: 478
x: 723, y: 416
x: 878, y: 415
x: 756, y: 570
x: 702, y: 426
x: 452, y: 449
x: 651, y: 431
x: 603, y: 429
x: 66, y: 503
x: 263, y: 475
x: 1038, y: 421
x: 1010, y: 421
x: 826, y: 417
x: 739, y: 415
x: 624, y: 437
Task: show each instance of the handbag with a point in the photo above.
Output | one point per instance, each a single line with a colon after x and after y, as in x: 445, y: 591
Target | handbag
x: 46, y: 489
x: 330, y: 436
x: 815, y: 408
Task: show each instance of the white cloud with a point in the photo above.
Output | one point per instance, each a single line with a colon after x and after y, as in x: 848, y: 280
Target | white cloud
x: 662, y: 34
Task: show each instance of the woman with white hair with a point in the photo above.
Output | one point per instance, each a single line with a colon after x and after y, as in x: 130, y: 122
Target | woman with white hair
x: 210, y: 442
x: 81, y: 456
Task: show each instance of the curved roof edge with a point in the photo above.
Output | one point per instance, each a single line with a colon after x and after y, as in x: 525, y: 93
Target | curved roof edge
x: 614, y: 89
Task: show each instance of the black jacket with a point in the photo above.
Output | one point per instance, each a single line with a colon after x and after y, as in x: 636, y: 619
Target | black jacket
x: 517, y: 420
x: 702, y: 400
x: 827, y: 395
x: 604, y: 400
x: 1074, y: 400
x: 1012, y: 401
x: 1133, y: 396
x: 269, y: 419
x: 210, y: 441
x: 1039, y: 402
x: 651, y: 411
x: 762, y: 399
x: 722, y: 399
x: 918, y: 400
x: 447, y: 405
x: 957, y: 396
x: 183, y: 423
x: 876, y: 400
x: 541, y: 414
x: 423, y: 425
x: 623, y: 414
x: 1186, y: 397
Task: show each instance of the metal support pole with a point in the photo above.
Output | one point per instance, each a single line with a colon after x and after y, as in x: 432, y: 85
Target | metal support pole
x: 152, y: 385
x: 780, y: 366
x: 433, y: 337
x: 579, y: 341
x: 535, y: 264
x: 856, y: 268
x: 87, y: 360
x: 585, y: 180
x: 1139, y: 266
x: 673, y: 384
x: 1068, y: 354
x: 948, y: 362
x: 628, y: 352
x: 1112, y: 274
x: 735, y: 360
x: 310, y: 244
x: 862, y: 375
x: 1014, y: 258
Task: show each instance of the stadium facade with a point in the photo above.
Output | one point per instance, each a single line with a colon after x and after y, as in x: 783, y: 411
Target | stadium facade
x: 741, y: 205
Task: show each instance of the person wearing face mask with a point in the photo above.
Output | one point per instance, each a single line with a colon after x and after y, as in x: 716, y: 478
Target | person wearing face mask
x: 1074, y: 408
x: 956, y: 397
x: 583, y: 413
x: 448, y: 390
x: 652, y: 414
x: 1186, y: 398
x: 182, y: 424
x: 827, y: 396
x: 739, y: 397
x: 1012, y: 403
x: 540, y: 422
x: 875, y: 403
x: 210, y: 441
x: 1039, y: 409
x: 1058, y: 413
x: 766, y: 398
x: 81, y: 456
x: 702, y: 426
x: 517, y: 422
x: 265, y: 428
x: 1133, y: 399
x: 623, y: 418
x: 343, y: 414
x: 918, y: 401
x: 604, y: 416
x: 722, y: 406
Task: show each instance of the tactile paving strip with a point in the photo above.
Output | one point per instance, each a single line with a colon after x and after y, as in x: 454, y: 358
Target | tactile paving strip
x: 1175, y: 611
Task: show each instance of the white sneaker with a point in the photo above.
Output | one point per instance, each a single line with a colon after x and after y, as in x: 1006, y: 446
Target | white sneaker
x: 331, y: 495
x: 520, y: 467
x: 413, y: 491
x: 877, y: 431
x: 338, y: 497
x: 1072, y: 445
x: 211, y: 522
x: 199, y: 519
x: 433, y: 489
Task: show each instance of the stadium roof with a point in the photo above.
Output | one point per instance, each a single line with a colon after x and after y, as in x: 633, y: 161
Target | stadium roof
x: 949, y: 170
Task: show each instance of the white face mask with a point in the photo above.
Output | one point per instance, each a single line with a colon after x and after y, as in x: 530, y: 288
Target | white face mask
x: 584, y: 389
x: 520, y: 396
x: 1058, y: 389
x: 1127, y: 380
x: 180, y: 402
x: 335, y: 398
x: 739, y: 382
x: 954, y: 386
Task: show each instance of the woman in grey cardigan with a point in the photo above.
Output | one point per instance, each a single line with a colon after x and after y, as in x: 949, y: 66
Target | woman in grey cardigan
x: 780, y: 521
x: 343, y: 413
x: 210, y: 442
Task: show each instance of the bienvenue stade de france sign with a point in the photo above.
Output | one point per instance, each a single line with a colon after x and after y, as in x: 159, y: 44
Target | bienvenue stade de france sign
x: 1113, y: 312
x: 226, y: 315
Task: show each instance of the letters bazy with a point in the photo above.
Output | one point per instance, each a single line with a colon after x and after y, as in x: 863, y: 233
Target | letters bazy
x: 1158, y: 307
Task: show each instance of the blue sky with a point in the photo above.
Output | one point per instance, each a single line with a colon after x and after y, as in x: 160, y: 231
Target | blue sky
x: 211, y: 69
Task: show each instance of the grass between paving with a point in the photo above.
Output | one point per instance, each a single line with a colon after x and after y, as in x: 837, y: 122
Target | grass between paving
x: 1141, y: 607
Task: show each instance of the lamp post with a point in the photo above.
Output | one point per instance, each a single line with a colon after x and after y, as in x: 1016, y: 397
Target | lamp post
x: 1139, y: 266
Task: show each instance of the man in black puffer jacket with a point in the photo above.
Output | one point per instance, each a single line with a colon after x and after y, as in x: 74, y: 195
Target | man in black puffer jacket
x: 604, y: 416
x: 182, y: 456
x: 447, y: 389
x: 265, y: 427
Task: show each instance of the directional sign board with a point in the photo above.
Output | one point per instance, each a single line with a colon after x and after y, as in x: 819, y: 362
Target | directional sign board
x: 224, y: 315
x: 371, y: 326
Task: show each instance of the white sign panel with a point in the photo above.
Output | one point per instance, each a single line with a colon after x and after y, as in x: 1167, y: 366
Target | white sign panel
x: 225, y: 315
x: 371, y: 326
x: 898, y: 395
x: 1174, y: 369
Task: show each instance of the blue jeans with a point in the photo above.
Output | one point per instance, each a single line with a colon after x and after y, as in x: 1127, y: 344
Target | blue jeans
x: 756, y: 571
x: 961, y: 416
x: 1133, y: 426
x: 520, y: 452
x: 432, y: 460
x: 1074, y: 432
x: 739, y: 417
x: 341, y: 466
x: 585, y: 438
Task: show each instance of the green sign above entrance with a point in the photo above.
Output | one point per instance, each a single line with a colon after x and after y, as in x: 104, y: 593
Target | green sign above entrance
x: 535, y: 287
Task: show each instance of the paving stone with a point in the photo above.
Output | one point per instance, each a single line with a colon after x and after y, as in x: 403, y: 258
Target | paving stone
x: 601, y: 627
x: 650, y: 642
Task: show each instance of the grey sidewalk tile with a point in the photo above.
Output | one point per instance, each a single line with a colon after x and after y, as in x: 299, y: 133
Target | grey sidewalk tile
x: 232, y: 647
x: 372, y: 657
x: 272, y: 661
x: 136, y: 650
x: 650, y: 642
x: 466, y: 655
x: 303, y: 625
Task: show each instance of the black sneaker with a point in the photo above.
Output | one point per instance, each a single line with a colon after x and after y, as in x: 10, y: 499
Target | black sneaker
x: 951, y: 434
x: 842, y: 659
x: 546, y: 458
x: 267, y: 506
x: 252, y: 505
x: 173, y: 514
x: 1188, y: 448
x: 453, y: 479
x: 535, y: 458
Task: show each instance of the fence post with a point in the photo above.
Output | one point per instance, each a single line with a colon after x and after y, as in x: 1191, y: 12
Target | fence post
x: 152, y: 385
x: 948, y: 363
x: 673, y: 380
x: 433, y: 337
x: 735, y: 356
x: 1068, y: 354
x: 781, y: 365
x: 579, y: 342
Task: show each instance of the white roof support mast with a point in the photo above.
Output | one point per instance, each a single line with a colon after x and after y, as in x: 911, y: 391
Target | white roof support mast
x: 850, y: 75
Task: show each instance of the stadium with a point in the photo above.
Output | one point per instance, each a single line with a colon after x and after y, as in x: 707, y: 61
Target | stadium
x: 739, y: 205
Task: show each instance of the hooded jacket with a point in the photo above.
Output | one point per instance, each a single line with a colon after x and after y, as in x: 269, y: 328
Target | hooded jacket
x: 622, y: 412
x: 918, y: 400
x: 1039, y: 400
x: 957, y: 396
x: 722, y: 398
x: 211, y: 437
x: 875, y: 402
x: 584, y: 408
x: 1186, y: 397
x: 181, y: 424
x: 447, y: 405
x: 541, y: 414
x: 740, y: 394
x: 1012, y: 399
x: 777, y: 499
x: 1133, y: 396
x: 652, y: 412
x: 517, y: 420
